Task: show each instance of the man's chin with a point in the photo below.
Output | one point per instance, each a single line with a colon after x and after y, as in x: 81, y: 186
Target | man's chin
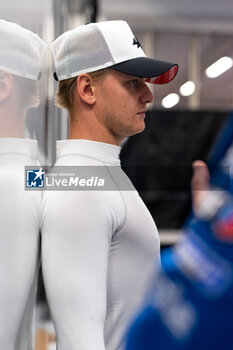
x: 135, y: 131
x: 140, y: 129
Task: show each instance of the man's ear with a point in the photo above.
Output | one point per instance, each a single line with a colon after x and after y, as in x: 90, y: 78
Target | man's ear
x: 6, y: 85
x: 85, y: 89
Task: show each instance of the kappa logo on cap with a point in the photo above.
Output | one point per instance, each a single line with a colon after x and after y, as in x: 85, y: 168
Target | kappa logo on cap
x: 136, y: 42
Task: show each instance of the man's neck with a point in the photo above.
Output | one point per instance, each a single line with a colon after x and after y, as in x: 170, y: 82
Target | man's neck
x: 92, y: 137
x: 91, y: 130
x: 12, y: 125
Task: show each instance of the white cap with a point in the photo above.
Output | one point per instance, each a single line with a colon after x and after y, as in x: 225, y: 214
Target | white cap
x: 96, y: 46
x: 21, y: 50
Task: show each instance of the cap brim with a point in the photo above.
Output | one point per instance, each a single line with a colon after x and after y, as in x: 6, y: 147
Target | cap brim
x: 156, y: 72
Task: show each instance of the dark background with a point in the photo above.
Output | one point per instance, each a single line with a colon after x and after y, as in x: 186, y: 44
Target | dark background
x: 158, y: 161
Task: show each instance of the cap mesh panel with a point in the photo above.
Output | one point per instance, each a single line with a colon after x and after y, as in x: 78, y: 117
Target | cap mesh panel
x: 85, y: 53
x: 21, y: 50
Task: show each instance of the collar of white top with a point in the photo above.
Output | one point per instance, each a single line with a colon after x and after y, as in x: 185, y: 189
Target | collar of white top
x: 103, y: 151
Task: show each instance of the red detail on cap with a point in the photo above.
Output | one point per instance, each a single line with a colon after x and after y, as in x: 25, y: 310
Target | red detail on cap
x: 223, y: 229
x: 165, y: 77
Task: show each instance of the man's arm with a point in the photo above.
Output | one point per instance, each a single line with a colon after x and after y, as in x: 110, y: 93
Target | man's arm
x: 189, y: 301
x: 77, y: 230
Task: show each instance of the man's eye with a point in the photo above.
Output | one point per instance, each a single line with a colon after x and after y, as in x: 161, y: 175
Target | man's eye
x: 134, y: 82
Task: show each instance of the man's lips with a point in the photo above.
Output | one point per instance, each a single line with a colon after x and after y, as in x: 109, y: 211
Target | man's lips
x: 142, y: 114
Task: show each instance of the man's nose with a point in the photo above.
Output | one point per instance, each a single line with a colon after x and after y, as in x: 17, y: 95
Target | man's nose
x: 146, y: 96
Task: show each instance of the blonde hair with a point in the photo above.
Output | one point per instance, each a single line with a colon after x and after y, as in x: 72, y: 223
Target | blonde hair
x: 65, y: 94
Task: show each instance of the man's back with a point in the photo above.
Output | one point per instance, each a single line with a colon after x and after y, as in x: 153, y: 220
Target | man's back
x: 19, y: 249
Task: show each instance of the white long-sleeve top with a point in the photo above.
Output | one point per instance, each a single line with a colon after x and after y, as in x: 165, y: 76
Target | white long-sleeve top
x: 19, y: 243
x: 98, y: 252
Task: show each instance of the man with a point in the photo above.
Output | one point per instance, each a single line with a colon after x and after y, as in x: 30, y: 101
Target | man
x: 99, y: 247
x: 20, y: 63
x: 189, y: 303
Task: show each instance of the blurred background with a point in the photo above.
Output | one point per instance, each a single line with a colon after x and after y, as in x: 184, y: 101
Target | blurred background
x: 186, y: 115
